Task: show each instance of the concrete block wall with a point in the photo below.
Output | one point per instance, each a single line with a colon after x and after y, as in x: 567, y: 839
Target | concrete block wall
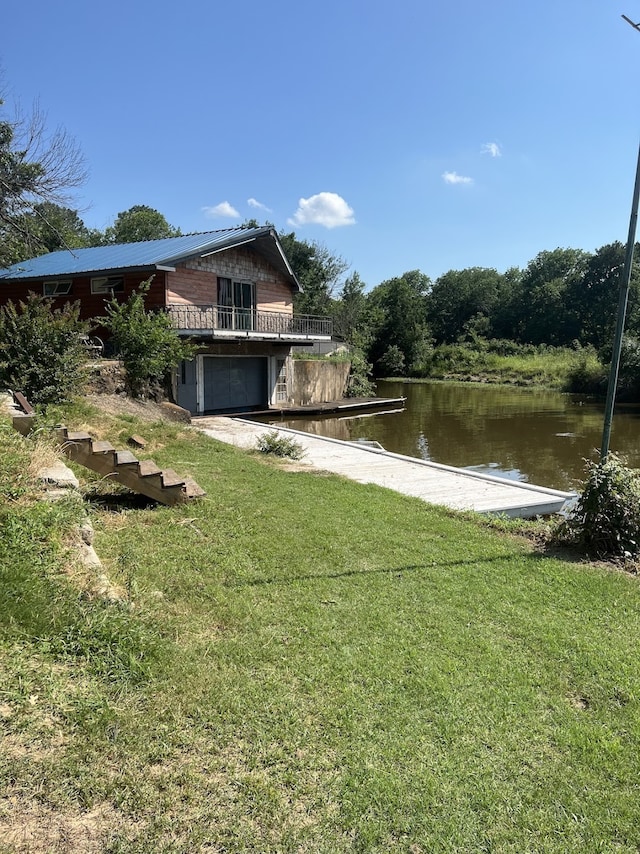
x: 317, y: 381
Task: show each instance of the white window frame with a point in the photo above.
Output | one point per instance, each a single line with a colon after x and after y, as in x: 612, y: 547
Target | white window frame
x: 107, y: 285
x: 57, y: 288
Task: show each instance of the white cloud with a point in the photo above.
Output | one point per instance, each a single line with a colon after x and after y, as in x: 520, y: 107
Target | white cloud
x: 223, y: 209
x: 254, y: 203
x: 328, y: 209
x: 454, y: 178
x: 492, y: 149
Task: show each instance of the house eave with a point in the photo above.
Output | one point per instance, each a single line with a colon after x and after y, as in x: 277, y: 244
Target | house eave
x: 247, y: 335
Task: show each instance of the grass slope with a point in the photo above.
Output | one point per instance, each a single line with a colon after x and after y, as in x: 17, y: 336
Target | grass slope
x: 312, y: 665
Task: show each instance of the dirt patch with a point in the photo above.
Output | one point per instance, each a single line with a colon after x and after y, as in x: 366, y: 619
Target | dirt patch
x: 32, y: 828
x: 118, y: 404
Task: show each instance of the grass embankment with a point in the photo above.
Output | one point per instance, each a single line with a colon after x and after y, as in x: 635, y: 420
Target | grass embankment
x: 310, y: 665
x: 504, y: 362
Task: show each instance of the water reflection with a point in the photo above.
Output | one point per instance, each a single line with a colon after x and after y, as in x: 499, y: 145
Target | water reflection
x: 532, y: 435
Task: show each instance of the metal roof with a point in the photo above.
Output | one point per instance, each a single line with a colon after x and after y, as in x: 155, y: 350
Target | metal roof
x: 151, y: 254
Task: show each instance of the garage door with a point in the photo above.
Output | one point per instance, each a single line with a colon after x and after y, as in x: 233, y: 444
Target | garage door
x: 234, y: 384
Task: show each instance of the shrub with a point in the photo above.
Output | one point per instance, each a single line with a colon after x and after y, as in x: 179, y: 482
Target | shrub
x: 146, y: 343
x: 629, y: 376
x: 587, y: 374
x: 359, y: 383
x: 41, y: 349
x: 392, y: 362
x: 606, y: 520
x: 279, y: 446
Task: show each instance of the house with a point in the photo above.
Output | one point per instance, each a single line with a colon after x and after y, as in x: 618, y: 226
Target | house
x: 230, y: 290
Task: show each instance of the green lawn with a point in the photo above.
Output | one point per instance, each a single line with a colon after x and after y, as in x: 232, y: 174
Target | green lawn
x: 309, y: 664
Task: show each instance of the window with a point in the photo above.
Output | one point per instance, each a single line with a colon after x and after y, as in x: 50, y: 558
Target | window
x: 236, y: 304
x: 56, y: 289
x: 107, y: 285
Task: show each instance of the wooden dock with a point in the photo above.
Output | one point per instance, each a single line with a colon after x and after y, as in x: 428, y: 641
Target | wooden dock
x: 458, y: 489
x: 331, y: 407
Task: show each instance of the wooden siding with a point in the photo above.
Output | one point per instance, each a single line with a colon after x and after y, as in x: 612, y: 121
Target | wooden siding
x: 91, y: 305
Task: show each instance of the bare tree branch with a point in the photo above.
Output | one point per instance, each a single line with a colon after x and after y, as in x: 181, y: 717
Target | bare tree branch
x: 36, y: 167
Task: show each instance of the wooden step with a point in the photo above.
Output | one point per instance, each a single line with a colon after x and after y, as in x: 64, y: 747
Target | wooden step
x: 143, y: 476
x: 100, y: 447
x: 147, y: 468
x: 125, y: 458
x: 171, y: 478
x: 191, y: 488
x: 77, y: 436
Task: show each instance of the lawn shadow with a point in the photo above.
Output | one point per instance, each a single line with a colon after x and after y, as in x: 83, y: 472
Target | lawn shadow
x: 395, y: 570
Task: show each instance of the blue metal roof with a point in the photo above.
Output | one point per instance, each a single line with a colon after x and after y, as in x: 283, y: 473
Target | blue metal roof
x: 148, y: 253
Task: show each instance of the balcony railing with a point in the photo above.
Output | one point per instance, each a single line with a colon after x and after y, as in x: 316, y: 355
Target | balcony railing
x: 224, y: 321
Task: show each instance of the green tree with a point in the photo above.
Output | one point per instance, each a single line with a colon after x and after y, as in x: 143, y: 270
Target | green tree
x: 594, y: 297
x: 36, y: 167
x: 41, y: 349
x: 49, y: 228
x: 146, y: 343
x: 397, y: 315
x: 349, y: 310
x: 392, y: 362
x: 317, y: 270
x: 544, y: 313
x: 139, y: 223
x: 463, y: 301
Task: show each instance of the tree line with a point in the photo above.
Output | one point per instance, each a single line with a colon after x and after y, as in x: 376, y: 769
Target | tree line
x: 562, y: 298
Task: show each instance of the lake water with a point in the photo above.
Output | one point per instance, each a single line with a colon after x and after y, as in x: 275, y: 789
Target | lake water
x: 532, y: 435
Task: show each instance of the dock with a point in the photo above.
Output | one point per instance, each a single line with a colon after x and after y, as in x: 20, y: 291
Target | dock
x: 332, y: 407
x: 434, y: 483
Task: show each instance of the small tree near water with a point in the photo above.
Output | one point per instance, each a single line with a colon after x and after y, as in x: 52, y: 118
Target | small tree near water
x: 606, y: 520
x: 146, y: 343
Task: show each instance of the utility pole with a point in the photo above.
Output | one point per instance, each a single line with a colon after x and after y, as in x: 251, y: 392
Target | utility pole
x: 625, y: 279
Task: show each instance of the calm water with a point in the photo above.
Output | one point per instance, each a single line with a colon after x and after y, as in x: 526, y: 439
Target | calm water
x: 526, y: 434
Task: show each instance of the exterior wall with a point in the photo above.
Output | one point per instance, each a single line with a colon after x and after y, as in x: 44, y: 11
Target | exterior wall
x: 315, y: 381
x: 91, y: 305
x: 189, y: 383
x: 307, y: 381
x: 196, y: 282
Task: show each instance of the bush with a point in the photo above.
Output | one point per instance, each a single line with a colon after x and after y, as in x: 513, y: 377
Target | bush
x: 41, y: 349
x: 629, y: 376
x: 606, y: 520
x: 392, y: 362
x: 146, y: 343
x: 587, y: 374
x: 359, y: 383
x: 279, y: 446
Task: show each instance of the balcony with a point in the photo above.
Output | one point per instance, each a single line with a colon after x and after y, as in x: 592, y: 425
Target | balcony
x: 228, y: 322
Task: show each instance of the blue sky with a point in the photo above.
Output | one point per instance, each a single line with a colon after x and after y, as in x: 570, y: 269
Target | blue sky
x: 406, y: 135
